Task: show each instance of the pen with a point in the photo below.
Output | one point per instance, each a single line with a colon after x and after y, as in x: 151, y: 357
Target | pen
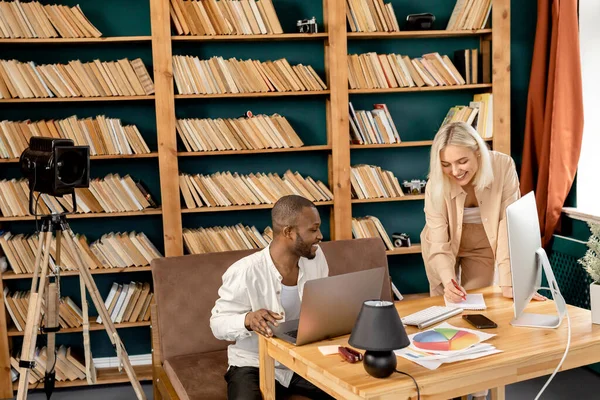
x: 458, y: 287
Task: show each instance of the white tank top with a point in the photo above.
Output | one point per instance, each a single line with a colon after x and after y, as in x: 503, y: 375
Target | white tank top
x: 472, y: 215
x: 290, y: 300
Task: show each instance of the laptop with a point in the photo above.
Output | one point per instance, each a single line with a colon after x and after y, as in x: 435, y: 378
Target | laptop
x: 330, y: 306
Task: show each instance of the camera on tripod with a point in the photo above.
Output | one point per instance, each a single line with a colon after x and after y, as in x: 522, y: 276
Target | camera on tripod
x: 307, y: 25
x: 55, y: 167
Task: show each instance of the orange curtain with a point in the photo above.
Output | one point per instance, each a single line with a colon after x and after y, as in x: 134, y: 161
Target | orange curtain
x: 554, y: 122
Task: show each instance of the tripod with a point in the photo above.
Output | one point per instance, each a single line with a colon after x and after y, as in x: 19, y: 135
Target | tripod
x: 40, y: 282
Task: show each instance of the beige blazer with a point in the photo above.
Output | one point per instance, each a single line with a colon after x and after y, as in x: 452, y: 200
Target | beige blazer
x: 440, y: 239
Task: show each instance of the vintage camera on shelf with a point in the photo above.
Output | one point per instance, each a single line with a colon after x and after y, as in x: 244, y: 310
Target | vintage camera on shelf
x: 415, y: 186
x: 307, y: 25
x: 401, y: 239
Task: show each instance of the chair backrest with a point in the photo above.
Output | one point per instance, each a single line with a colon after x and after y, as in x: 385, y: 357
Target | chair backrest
x: 344, y: 256
x: 186, y: 289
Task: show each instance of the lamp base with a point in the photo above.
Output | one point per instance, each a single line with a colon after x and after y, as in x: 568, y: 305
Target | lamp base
x: 380, y: 364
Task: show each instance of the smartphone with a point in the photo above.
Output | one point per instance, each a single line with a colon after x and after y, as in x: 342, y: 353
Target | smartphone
x: 480, y: 321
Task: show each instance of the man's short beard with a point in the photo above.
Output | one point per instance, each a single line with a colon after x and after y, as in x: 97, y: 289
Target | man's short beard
x: 302, y: 249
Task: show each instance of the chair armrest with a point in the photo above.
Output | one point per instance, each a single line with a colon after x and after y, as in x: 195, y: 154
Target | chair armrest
x: 162, y: 385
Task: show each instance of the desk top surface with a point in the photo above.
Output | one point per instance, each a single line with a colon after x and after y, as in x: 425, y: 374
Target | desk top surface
x: 527, y: 353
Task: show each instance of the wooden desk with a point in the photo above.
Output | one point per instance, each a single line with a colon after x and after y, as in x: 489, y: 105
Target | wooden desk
x: 527, y: 353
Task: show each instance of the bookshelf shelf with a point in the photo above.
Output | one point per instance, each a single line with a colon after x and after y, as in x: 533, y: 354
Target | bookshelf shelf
x: 258, y: 94
x: 422, y: 89
x: 152, y: 211
x: 412, y: 143
x: 252, y: 38
x: 114, y: 39
x: 258, y: 151
x: 102, y: 157
x: 414, y: 249
x: 77, y: 99
x: 417, y: 34
x: 9, y: 275
x: 241, y: 208
x: 389, y: 199
x: 94, y: 326
x: 104, y: 376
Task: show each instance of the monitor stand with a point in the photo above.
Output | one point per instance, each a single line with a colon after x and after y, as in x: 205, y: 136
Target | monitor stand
x: 544, y: 320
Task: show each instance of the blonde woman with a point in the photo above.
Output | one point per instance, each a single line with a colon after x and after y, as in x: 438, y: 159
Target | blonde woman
x: 466, y: 197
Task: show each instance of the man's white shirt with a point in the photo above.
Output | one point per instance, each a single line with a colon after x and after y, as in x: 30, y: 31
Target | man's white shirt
x: 251, y: 284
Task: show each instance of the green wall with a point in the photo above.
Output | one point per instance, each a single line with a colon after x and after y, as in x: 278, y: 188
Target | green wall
x: 417, y: 116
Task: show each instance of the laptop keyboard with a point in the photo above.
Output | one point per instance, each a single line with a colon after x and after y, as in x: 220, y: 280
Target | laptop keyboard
x: 293, y: 334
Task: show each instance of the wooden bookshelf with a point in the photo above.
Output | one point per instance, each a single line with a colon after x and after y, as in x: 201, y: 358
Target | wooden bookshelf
x: 251, y: 38
x: 410, y: 143
x: 241, y: 208
x: 257, y: 151
x: 256, y: 94
x: 94, y: 326
x: 76, y: 99
x: 493, y: 42
x: 408, y: 197
x: 105, y: 376
x: 422, y: 89
x: 114, y: 39
x: 101, y: 157
x: 10, y: 275
x: 434, y: 34
x: 414, y: 249
x: 149, y: 211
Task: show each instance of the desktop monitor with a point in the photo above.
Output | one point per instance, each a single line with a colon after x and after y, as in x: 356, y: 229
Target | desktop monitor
x: 527, y: 260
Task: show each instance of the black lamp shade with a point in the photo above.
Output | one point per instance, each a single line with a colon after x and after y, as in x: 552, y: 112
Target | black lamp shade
x: 378, y: 328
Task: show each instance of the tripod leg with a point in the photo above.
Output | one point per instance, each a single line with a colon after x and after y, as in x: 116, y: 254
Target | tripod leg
x: 111, y: 331
x: 52, y: 305
x: 33, y: 318
x: 90, y: 369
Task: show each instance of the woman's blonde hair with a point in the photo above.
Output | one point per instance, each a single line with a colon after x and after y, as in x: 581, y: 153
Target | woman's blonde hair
x: 457, y: 134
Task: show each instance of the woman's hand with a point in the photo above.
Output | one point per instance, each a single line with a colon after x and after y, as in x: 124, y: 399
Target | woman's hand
x: 507, y: 291
x: 454, y: 294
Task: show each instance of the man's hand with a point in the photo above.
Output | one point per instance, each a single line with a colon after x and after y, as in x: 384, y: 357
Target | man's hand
x: 257, y: 321
x: 507, y: 291
x: 453, y: 294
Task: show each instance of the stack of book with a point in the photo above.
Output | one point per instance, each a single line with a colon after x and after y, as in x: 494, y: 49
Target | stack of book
x: 26, y: 80
x: 219, y: 76
x: 470, y: 14
x: 69, y: 365
x: 113, y: 250
x: 371, y: 16
x: 386, y: 71
x: 225, y: 17
x: 373, y: 127
x: 370, y: 227
x: 110, y: 194
x: 34, y: 20
x: 479, y: 114
x: 128, y: 302
x: 225, y: 238
x: 17, y: 303
x: 257, y: 132
x: 103, y: 135
x: 371, y: 182
x: 224, y: 189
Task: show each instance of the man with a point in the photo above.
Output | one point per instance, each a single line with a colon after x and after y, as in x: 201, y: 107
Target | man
x: 266, y: 288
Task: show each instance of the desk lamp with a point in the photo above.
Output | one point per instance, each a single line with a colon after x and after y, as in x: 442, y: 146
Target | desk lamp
x: 379, y: 331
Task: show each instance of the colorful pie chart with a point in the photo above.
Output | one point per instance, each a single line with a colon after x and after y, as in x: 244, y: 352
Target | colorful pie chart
x: 445, y: 339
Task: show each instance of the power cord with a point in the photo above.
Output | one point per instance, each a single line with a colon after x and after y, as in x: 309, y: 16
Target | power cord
x: 414, y: 380
x: 555, y: 293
